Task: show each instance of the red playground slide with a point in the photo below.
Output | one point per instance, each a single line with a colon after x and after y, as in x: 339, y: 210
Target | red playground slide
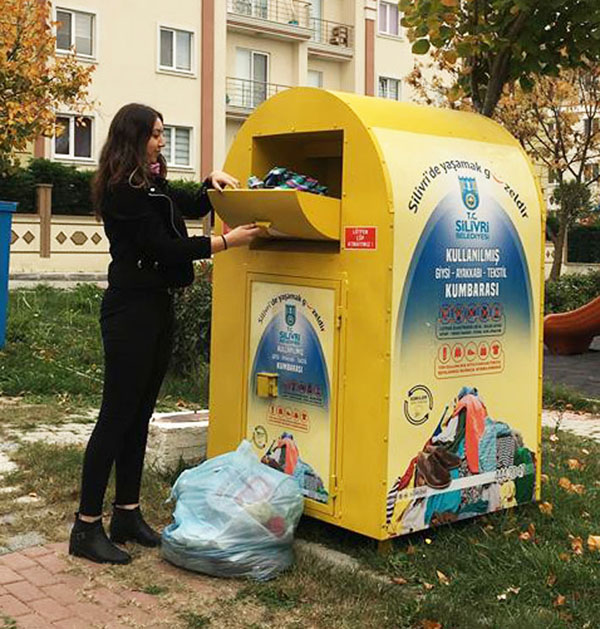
x: 572, y: 332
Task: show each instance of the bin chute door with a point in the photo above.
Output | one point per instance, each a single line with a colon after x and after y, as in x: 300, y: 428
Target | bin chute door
x: 291, y: 394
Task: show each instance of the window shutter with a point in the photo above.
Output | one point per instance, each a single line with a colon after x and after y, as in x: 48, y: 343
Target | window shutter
x: 166, y: 48
x: 182, y: 147
x: 184, y: 50
x: 63, y: 30
x: 84, y: 23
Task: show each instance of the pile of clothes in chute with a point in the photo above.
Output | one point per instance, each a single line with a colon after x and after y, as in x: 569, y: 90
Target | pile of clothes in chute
x: 485, y: 459
x: 285, y: 179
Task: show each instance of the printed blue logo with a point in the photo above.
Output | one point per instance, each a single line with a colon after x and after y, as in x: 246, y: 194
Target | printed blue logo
x: 290, y: 314
x: 469, y: 192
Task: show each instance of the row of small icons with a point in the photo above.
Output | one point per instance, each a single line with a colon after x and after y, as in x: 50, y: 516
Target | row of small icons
x: 470, y: 313
x: 459, y: 352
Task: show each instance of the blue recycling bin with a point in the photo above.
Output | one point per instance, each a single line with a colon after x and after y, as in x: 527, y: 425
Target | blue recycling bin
x: 6, y: 211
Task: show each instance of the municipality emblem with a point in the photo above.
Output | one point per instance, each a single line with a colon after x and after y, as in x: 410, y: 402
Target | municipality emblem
x: 469, y: 192
x: 290, y: 314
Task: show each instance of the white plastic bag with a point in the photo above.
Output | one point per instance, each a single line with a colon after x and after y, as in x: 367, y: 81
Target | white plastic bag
x: 235, y: 517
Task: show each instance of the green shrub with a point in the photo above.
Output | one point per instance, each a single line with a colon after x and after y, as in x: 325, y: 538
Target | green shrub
x: 193, y: 306
x: 19, y: 187
x: 70, y: 187
x: 571, y: 291
x: 584, y: 244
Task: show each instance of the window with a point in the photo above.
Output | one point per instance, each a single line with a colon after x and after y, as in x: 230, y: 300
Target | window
x: 591, y: 126
x: 75, y: 30
x: 177, y: 146
x: 389, y: 88
x: 389, y: 19
x: 255, y: 8
x: 315, y: 78
x: 73, y: 137
x: 176, y: 49
x: 252, y: 72
x: 591, y: 172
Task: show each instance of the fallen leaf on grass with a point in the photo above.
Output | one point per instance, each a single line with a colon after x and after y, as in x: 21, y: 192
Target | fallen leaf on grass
x: 559, y: 601
x: 545, y: 478
x: 431, y: 624
x: 529, y: 534
x: 585, y: 514
x: 577, y: 545
x: 584, y: 451
x: 551, y: 580
x: 554, y: 437
x: 427, y: 540
x: 564, y: 556
x: 575, y: 464
x: 509, y: 531
x: 428, y: 586
x: 545, y: 508
x: 399, y: 581
x: 593, y: 543
x: 565, y: 483
x: 442, y: 578
x: 510, y: 590
x: 525, y: 536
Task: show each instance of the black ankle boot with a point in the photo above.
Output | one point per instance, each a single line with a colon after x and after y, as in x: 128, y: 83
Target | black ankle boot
x: 89, y: 540
x: 128, y: 525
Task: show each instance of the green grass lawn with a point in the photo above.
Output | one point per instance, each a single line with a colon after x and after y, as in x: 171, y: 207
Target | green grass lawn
x: 54, y: 351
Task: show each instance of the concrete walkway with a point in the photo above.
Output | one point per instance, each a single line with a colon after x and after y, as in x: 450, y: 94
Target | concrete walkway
x: 580, y: 424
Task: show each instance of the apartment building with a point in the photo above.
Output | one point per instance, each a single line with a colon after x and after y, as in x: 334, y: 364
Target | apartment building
x: 207, y: 64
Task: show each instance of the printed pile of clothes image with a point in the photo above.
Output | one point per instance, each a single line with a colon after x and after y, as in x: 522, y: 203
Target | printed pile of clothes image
x: 234, y: 517
x: 486, y: 459
x: 283, y: 455
x: 284, y: 179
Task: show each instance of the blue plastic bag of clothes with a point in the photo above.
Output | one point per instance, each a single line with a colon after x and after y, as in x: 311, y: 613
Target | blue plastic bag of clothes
x: 234, y: 517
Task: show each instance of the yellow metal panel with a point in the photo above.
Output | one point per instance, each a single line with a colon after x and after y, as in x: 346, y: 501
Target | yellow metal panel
x: 284, y: 213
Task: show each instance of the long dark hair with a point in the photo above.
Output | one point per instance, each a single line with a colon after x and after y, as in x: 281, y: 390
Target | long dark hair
x: 124, y: 154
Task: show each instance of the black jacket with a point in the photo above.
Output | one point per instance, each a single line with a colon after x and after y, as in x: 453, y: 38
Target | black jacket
x: 149, y: 244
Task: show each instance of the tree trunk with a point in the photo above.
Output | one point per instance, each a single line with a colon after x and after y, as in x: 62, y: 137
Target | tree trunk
x: 559, y: 245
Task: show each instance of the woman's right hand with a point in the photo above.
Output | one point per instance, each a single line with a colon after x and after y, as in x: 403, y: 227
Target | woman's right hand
x: 237, y: 237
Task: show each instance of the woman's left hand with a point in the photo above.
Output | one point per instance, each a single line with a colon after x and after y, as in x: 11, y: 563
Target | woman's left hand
x: 219, y: 180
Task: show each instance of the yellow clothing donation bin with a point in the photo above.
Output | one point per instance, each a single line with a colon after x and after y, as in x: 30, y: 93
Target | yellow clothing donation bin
x: 382, y: 342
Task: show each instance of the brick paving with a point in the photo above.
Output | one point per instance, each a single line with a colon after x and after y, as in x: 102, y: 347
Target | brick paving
x: 37, y: 592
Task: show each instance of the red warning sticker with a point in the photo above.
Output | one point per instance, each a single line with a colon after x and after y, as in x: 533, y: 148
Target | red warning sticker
x: 360, y: 237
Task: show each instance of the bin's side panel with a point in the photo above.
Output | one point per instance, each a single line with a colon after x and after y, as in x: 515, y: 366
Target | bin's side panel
x: 464, y: 396
x: 228, y: 343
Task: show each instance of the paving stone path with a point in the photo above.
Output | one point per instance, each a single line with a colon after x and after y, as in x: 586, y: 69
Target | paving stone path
x: 580, y: 424
x: 43, y: 588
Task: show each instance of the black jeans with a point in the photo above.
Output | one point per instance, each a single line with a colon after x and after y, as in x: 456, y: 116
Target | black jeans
x: 137, y: 334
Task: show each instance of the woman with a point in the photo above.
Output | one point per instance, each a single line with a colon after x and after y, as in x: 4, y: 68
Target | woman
x: 151, y: 255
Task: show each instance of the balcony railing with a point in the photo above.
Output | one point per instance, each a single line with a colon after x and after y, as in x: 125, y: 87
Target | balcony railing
x: 293, y: 12
x: 246, y: 94
x: 332, y: 33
